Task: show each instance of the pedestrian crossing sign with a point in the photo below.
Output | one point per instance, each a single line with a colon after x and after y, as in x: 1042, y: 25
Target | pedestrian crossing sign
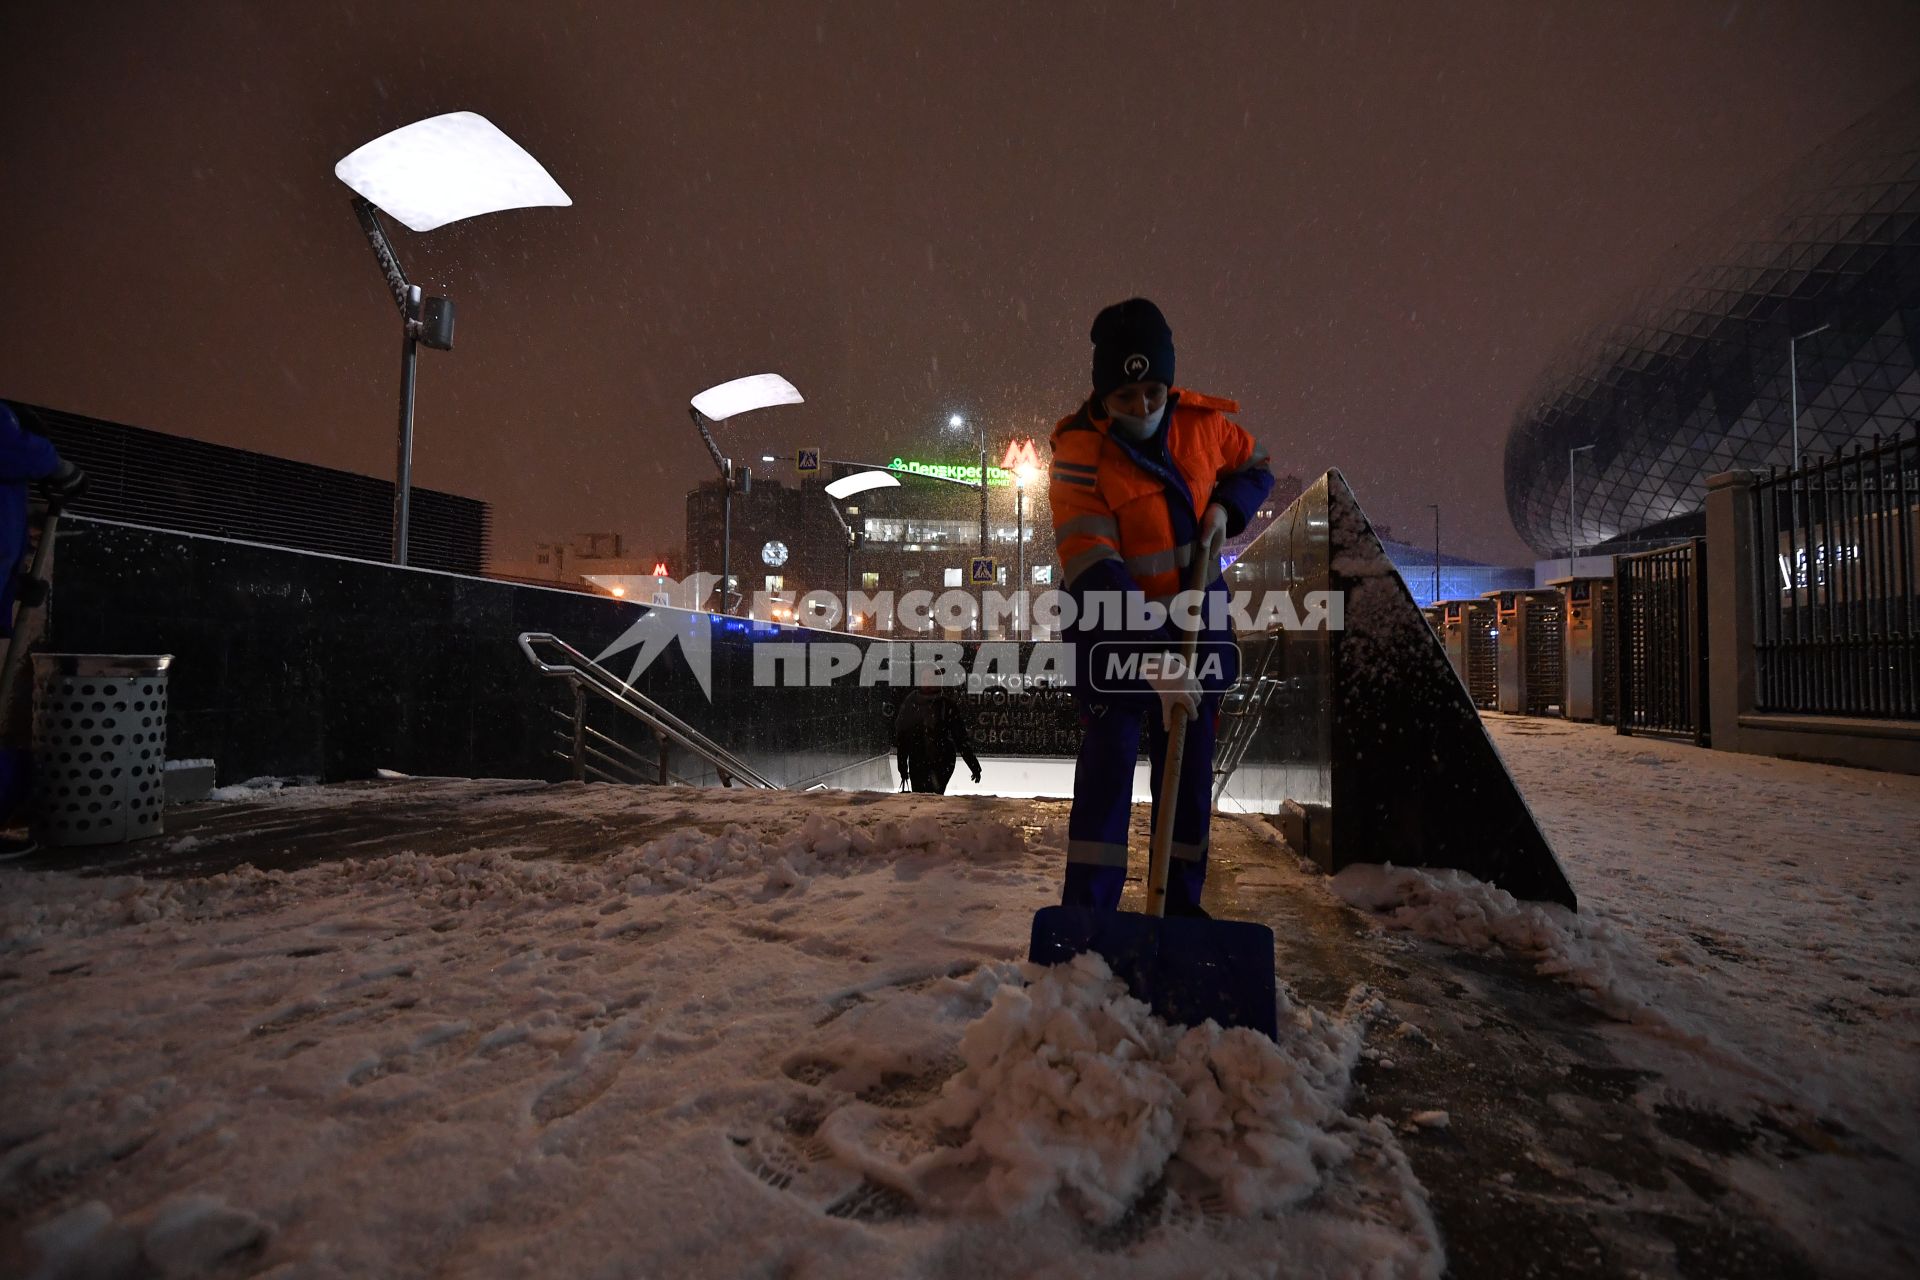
x: 985, y: 571
x: 806, y: 460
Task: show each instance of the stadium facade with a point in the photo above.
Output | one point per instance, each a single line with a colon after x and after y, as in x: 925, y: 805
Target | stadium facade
x: 1822, y: 278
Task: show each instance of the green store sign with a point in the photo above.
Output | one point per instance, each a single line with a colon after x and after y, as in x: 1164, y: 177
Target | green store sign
x: 997, y: 478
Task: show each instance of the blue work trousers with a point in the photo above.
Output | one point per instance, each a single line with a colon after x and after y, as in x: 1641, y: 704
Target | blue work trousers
x: 1103, y: 804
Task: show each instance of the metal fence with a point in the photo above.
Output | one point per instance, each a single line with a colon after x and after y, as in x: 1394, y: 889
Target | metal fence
x: 1661, y: 608
x: 1838, y: 625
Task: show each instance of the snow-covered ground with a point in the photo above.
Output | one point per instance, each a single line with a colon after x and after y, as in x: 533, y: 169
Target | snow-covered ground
x: 1754, y: 925
x: 789, y: 1035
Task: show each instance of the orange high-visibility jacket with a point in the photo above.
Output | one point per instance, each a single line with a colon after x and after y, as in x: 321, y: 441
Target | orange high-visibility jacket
x: 1123, y: 518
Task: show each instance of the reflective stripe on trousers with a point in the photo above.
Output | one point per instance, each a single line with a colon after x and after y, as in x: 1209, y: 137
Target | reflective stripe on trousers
x: 1103, y: 805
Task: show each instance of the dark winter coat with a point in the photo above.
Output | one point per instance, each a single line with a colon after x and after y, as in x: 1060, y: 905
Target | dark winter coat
x: 24, y: 458
x: 929, y: 731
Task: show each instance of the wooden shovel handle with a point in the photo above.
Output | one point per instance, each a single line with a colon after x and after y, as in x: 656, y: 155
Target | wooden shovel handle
x: 1160, y: 850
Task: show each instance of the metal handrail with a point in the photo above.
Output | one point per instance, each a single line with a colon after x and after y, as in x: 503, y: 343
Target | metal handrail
x: 639, y: 770
x: 818, y: 781
x: 1242, y: 721
x: 586, y: 674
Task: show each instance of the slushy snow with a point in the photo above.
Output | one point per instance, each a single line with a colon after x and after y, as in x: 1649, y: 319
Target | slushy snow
x: 793, y: 1035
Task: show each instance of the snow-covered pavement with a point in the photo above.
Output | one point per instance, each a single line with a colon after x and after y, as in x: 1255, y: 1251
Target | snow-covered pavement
x: 603, y: 1031
x: 789, y: 1036
x: 1751, y: 927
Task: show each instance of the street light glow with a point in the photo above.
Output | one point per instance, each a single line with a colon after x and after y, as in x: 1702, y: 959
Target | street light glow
x: 955, y: 420
x: 743, y: 395
x: 860, y: 482
x: 446, y: 168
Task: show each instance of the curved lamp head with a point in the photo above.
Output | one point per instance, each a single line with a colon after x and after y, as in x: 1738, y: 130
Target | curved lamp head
x: 446, y: 168
x: 743, y: 395
x: 860, y: 482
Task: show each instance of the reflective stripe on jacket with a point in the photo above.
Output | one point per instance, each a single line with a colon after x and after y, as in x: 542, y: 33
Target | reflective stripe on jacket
x: 1136, y: 507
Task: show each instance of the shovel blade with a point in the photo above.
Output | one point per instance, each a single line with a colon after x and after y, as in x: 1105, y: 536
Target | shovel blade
x: 1186, y: 970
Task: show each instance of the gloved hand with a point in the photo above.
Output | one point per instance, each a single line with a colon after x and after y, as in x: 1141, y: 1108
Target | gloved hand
x: 1176, y: 691
x: 976, y: 773
x: 1213, y: 536
x: 66, y: 483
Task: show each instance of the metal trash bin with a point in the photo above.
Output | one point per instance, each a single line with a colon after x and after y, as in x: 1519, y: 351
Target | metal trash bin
x: 99, y: 747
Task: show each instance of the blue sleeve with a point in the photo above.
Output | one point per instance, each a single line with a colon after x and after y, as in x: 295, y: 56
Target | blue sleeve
x: 23, y: 455
x: 1241, y: 493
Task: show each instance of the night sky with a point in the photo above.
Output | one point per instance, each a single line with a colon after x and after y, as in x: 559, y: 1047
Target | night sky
x: 1374, y: 224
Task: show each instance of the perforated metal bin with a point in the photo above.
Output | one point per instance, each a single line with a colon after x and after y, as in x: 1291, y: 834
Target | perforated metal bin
x: 99, y: 747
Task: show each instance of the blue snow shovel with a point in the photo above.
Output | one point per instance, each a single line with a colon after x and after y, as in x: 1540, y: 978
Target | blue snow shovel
x: 1185, y: 969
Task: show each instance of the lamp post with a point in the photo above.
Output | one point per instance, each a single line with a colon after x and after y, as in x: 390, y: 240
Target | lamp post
x: 980, y: 428
x: 1436, y: 552
x: 427, y: 174
x: 714, y: 406
x: 1022, y: 477
x: 851, y: 542
x: 1570, y: 516
x: 1793, y: 376
x: 838, y: 491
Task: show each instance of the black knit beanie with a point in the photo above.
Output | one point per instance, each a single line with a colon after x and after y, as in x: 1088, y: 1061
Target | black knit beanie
x: 1131, y: 343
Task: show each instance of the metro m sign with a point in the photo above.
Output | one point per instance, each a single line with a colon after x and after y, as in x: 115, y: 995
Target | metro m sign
x: 1021, y: 453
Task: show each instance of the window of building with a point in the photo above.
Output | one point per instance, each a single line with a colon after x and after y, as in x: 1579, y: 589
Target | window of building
x: 776, y: 582
x: 955, y: 577
x: 1043, y: 573
x: 869, y: 582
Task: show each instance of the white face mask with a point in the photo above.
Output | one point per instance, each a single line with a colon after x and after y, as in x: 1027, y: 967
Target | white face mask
x: 1138, y: 428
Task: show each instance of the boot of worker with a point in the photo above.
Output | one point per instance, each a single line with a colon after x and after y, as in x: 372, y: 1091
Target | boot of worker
x: 1102, y: 808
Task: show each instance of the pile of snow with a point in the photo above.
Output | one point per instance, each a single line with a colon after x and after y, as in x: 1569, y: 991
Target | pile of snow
x: 1071, y: 1088
x: 257, y: 788
x: 1451, y: 907
x: 40, y: 907
x: 186, y: 1235
x: 689, y: 858
x: 807, y: 1042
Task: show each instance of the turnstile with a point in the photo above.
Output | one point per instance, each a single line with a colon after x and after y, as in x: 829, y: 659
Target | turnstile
x: 1531, y: 665
x: 1587, y: 648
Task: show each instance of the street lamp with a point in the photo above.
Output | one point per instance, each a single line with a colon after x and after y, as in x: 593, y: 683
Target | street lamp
x: 714, y: 406
x: 1793, y: 375
x: 1023, y: 476
x: 955, y: 420
x: 1570, y: 516
x: 428, y: 174
x: 1436, y: 552
x: 861, y: 481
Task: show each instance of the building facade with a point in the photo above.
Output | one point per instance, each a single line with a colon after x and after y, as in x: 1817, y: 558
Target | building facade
x: 1802, y: 310
x: 137, y: 476
x: 789, y: 537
